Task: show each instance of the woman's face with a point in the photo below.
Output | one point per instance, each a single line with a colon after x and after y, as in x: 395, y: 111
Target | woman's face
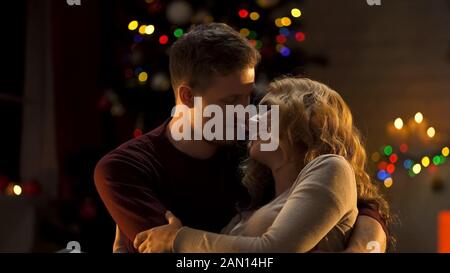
x: 271, y: 159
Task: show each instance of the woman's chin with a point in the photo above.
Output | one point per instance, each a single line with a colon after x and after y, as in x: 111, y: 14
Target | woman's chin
x: 254, y: 151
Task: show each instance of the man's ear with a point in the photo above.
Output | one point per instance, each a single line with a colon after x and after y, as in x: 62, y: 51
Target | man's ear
x: 186, y: 96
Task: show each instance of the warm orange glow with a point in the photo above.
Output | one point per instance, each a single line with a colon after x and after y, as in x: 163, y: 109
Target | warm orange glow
x: 444, y: 232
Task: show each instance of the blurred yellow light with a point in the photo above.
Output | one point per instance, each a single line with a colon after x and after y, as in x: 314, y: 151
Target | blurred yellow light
x: 425, y: 161
x: 254, y: 16
x: 445, y: 151
x: 142, y: 29
x: 278, y: 22
x: 296, y: 13
x: 398, y: 123
x: 143, y: 76
x: 17, y: 190
x: 285, y: 21
x: 149, y: 29
x: 418, y: 117
x: 278, y: 47
x: 244, y: 32
x: 417, y: 168
x: 388, y: 182
x: 133, y: 25
x: 431, y: 132
x: 375, y: 157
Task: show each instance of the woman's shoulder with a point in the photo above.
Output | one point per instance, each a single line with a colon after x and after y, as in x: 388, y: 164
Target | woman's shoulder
x: 333, y: 176
x: 330, y: 172
x: 327, y: 162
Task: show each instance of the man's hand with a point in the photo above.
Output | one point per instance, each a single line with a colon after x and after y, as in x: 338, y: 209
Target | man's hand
x: 159, y: 239
x: 367, y: 237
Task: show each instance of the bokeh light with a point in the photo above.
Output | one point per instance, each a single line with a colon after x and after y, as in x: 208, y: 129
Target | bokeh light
x: 285, y: 51
x: 375, y: 157
x: 418, y: 117
x: 390, y: 168
x: 278, y: 22
x: 143, y: 76
x: 243, y: 13
x: 178, y: 32
x: 431, y: 132
x: 445, y: 151
x: 408, y: 163
x: 398, y: 123
x: 17, y: 190
x: 382, y: 175
x: 149, y: 29
x: 142, y: 29
x: 281, y: 39
x: 393, y: 158
x: 284, y: 31
x: 388, y: 182
x: 417, y: 168
x: 133, y: 25
x: 404, y: 148
x: 436, y: 160
x: 387, y: 150
x: 425, y: 161
x: 296, y: 12
x: 254, y: 16
x: 164, y: 39
x: 244, y: 32
x: 286, y: 21
x: 300, y: 36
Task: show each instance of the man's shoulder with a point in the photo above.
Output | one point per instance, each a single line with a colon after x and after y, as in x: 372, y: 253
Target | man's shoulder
x: 140, y: 152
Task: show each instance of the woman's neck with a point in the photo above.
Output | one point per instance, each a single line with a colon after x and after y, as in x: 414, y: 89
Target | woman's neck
x: 284, y: 176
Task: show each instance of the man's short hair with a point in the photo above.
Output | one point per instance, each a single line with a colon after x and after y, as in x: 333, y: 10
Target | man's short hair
x: 207, y: 51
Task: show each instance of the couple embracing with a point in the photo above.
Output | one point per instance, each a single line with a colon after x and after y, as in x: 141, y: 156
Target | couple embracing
x: 311, y: 193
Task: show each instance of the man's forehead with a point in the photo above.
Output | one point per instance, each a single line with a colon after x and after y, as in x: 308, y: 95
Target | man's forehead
x: 246, y: 76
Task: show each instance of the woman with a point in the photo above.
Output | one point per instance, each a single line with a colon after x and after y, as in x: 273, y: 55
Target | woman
x: 304, y: 194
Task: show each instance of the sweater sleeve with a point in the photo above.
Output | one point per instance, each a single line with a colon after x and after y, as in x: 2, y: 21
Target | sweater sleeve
x: 322, y: 195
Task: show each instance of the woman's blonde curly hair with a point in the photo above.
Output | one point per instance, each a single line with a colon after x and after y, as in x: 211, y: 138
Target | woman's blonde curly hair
x: 315, y: 118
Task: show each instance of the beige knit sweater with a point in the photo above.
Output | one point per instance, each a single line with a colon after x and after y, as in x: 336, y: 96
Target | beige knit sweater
x: 317, y: 212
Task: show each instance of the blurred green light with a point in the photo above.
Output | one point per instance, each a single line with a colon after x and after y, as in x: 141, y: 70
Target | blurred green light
x: 258, y: 44
x: 436, y: 160
x: 252, y: 35
x: 178, y: 32
x: 411, y: 173
x: 388, y: 150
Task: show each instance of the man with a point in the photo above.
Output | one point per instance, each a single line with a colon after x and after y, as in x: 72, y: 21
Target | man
x: 197, y: 180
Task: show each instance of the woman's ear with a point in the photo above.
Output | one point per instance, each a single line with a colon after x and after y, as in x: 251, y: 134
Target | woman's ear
x: 186, y: 96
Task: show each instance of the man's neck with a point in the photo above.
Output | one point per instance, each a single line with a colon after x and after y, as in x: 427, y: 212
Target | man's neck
x: 199, y: 149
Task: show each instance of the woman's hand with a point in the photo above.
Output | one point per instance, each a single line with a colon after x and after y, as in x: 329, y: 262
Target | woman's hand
x: 159, y: 239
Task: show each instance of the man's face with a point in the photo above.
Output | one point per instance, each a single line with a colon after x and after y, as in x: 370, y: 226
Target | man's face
x: 234, y: 89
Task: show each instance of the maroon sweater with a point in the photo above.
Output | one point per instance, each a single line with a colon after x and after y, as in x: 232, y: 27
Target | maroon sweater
x: 146, y: 176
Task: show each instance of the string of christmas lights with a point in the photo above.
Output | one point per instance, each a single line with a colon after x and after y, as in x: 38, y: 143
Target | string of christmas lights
x: 392, y: 158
